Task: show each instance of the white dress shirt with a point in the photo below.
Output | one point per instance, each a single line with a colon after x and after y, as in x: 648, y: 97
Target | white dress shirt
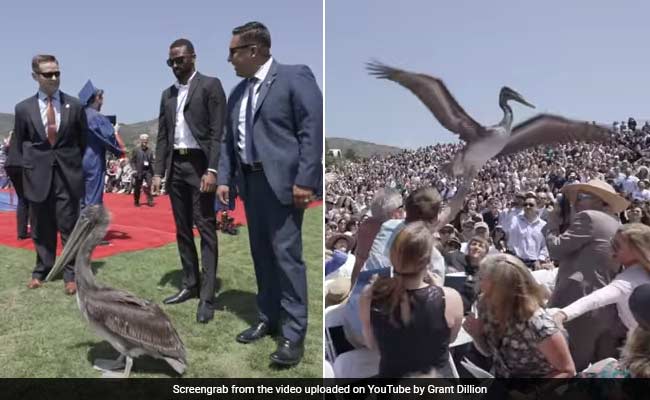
x: 630, y: 184
x: 183, y: 138
x: 241, y: 128
x: 56, y: 103
x: 526, y: 238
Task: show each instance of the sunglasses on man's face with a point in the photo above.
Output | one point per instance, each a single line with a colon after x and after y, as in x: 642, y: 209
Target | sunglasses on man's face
x: 49, y: 75
x: 180, y: 60
x: 233, y: 50
x: 584, y: 196
x: 529, y: 205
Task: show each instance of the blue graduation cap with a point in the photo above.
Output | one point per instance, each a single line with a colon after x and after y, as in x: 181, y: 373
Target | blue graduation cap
x: 87, y: 92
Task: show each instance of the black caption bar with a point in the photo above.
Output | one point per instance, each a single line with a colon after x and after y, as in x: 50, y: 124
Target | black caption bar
x: 339, y: 389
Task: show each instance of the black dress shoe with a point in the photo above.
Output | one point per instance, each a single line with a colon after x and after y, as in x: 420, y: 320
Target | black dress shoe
x: 137, y: 204
x: 288, y: 352
x: 204, y: 313
x: 23, y: 237
x: 255, y: 332
x: 183, y: 295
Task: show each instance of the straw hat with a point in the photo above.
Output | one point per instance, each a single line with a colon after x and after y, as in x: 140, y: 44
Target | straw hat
x: 600, y: 189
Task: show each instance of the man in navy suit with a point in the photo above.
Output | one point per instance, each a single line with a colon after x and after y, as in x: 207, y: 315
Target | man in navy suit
x: 273, y: 143
x: 48, y: 145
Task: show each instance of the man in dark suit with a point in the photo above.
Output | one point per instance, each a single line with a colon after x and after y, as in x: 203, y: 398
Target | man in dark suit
x: 273, y: 144
x: 189, y: 135
x: 48, y: 144
x: 142, y: 163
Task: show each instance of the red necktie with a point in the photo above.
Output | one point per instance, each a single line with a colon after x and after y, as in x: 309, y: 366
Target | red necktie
x: 51, y: 122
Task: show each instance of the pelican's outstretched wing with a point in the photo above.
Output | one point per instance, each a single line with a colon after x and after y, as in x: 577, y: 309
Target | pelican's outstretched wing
x: 546, y: 129
x: 434, y: 94
x: 135, y: 320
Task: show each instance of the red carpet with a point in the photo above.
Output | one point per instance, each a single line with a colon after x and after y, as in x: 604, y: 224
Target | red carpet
x: 131, y: 228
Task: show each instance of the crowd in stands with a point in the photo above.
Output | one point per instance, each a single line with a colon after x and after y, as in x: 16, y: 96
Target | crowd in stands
x: 545, y: 257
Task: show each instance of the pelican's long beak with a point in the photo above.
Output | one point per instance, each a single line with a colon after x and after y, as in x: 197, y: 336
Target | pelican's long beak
x: 72, y: 246
x: 519, y: 98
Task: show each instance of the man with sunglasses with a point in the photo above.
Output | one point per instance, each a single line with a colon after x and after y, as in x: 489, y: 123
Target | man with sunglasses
x: 48, y: 144
x: 585, y: 264
x: 187, y: 150
x: 525, y: 236
x: 274, y: 145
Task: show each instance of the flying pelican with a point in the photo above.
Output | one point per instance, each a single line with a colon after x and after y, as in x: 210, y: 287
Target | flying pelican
x: 485, y: 142
x: 133, y: 326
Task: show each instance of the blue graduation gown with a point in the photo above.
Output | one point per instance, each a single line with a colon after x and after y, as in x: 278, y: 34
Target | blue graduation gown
x: 100, y: 137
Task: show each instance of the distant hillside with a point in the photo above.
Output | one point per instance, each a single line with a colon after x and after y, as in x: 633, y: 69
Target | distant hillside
x: 361, y: 148
x: 131, y: 132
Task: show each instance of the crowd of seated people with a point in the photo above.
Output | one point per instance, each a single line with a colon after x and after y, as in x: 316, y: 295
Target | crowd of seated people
x: 544, y: 250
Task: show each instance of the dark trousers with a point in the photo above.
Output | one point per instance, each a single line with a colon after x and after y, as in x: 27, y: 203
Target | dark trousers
x: 22, y: 217
x: 59, y: 212
x: 275, y: 236
x: 137, y: 186
x: 191, y: 207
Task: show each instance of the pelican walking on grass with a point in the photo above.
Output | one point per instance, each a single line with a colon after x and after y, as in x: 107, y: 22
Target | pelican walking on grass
x: 485, y: 142
x: 133, y: 326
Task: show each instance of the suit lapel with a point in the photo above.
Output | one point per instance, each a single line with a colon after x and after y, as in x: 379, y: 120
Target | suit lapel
x: 266, y: 86
x: 193, y: 84
x: 65, y: 116
x: 238, y: 94
x: 35, y: 116
x: 171, y: 105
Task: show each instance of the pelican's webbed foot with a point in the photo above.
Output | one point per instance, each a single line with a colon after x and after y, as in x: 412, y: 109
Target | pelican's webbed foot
x: 106, y: 365
x: 123, y: 374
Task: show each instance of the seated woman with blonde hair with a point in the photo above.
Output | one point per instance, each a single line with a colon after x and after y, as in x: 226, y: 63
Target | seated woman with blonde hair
x: 630, y: 248
x: 513, y: 327
x: 409, y: 319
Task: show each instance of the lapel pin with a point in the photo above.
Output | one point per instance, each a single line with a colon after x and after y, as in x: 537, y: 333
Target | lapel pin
x: 67, y: 106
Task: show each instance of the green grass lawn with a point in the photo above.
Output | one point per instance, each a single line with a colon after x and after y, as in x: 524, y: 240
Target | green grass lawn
x: 42, y: 333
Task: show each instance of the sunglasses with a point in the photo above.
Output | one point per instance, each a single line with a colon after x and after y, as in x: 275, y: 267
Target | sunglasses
x: 584, y: 196
x: 233, y: 50
x: 180, y: 60
x: 529, y: 205
x: 49, y: 75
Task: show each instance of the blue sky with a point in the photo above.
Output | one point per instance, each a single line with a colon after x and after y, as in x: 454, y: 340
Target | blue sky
x: 122, y: 45
x: 581, y: 59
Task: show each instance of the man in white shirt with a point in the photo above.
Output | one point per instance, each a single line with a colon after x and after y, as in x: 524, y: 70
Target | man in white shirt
x: 191, y: 120
x: 525, y: 237
x: 630, y: 182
